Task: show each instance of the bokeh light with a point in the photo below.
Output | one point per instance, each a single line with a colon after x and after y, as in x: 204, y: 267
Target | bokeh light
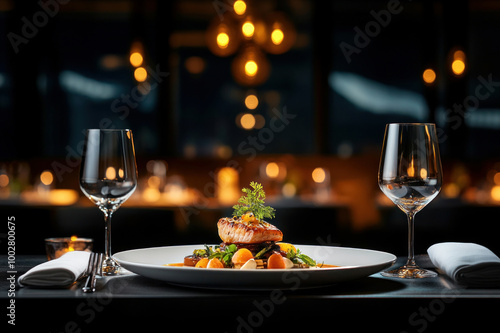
x: 248, y: 29
x: 429, y: 76
x: 251, y: 102
x: 240, y: 7
x: 247, y: 121
x: 251, y: 68
x: 277, y: 36
x: 46, y: 177
x: 136, y: 59
x: 222, y: 40
x: 140, y: 74
x: 319, y: 175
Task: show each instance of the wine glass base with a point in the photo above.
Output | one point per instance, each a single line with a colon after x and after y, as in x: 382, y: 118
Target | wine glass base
x: 407, y: 272
x: 110, y: 267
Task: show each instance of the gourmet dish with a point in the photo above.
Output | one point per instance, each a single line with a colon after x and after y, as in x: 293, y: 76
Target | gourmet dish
x: 249, y: 242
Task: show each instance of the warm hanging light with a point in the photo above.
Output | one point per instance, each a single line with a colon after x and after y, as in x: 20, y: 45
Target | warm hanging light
x: 458, y: 67
x: 248, y: 29
x: 281, y: 35
x: 223, y: 38
x: 140, y: 74
x: 458, y: 62
x: 136, y: 59
x: 277, y: 36
x: 250, y: 67
x: 240, y: 7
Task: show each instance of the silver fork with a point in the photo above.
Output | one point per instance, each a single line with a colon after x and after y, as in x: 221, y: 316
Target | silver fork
x: 89, y: 265
x: 94, y: 268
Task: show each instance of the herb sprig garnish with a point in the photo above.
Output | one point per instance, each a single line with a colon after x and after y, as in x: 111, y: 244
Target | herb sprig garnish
x: 253, y: 203
x: 296, y: 257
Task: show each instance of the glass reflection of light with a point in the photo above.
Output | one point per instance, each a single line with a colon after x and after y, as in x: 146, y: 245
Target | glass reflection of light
x: 110, y: 173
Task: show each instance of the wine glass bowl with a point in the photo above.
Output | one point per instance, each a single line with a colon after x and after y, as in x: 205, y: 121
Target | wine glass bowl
x: 410, y: 175
x: 108, y: 177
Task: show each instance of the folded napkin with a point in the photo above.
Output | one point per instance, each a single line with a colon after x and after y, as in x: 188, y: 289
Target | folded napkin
x: 60, y: 272
x: 467, y: 263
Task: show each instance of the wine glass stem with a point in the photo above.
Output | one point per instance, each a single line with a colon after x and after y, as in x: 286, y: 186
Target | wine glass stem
x: 107, y: 241
x: 411, y: 255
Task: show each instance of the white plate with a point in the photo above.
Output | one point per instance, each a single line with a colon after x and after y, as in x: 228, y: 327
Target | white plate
x: 354, y: 263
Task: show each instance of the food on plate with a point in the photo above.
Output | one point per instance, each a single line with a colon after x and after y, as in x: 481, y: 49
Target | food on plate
x: 249, y: 242
x: 237, y: 230
x: 241, y: 257
x: 275, y: 261
x: 215, y: 263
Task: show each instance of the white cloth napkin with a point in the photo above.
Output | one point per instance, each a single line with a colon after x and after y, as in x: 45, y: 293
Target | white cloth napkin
x: 467, y: 263
x: 60, y: 272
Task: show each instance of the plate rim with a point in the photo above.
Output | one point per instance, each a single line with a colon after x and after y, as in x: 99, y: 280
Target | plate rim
x: 149, y: 265
x: 217, y: 279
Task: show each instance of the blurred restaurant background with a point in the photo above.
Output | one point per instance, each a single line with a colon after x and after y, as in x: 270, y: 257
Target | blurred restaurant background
x: 294, y: 94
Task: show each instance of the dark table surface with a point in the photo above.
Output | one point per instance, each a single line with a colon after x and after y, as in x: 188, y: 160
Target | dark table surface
x: 395, y: 305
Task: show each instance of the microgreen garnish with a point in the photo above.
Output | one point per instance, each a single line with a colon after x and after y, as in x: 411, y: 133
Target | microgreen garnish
x: 224, y: 255
x: 253, y: 202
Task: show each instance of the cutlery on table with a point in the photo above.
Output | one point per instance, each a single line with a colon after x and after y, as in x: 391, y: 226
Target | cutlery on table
x: 94, y: 268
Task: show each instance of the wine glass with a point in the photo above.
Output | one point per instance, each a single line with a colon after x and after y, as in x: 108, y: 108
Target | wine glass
x: 108, y: 177
x: 410, y: 175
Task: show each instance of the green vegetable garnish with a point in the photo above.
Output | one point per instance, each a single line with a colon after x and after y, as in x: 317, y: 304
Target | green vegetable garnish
x: 296, y: 257
x: 263, y: 251
x: 225, y: 255
x: 253, y: 202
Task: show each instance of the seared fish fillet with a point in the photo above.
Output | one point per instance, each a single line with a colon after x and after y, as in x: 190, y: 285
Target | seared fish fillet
x: 239, y: 231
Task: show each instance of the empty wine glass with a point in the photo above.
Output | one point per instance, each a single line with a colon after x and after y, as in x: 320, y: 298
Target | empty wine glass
x: 108, y: 177
x: 410, y: 175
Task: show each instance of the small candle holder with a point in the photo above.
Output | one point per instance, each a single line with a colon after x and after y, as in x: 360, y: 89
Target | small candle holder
x: 56, y: 247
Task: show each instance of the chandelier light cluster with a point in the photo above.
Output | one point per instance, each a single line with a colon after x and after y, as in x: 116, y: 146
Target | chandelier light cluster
x: 250, y: 35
